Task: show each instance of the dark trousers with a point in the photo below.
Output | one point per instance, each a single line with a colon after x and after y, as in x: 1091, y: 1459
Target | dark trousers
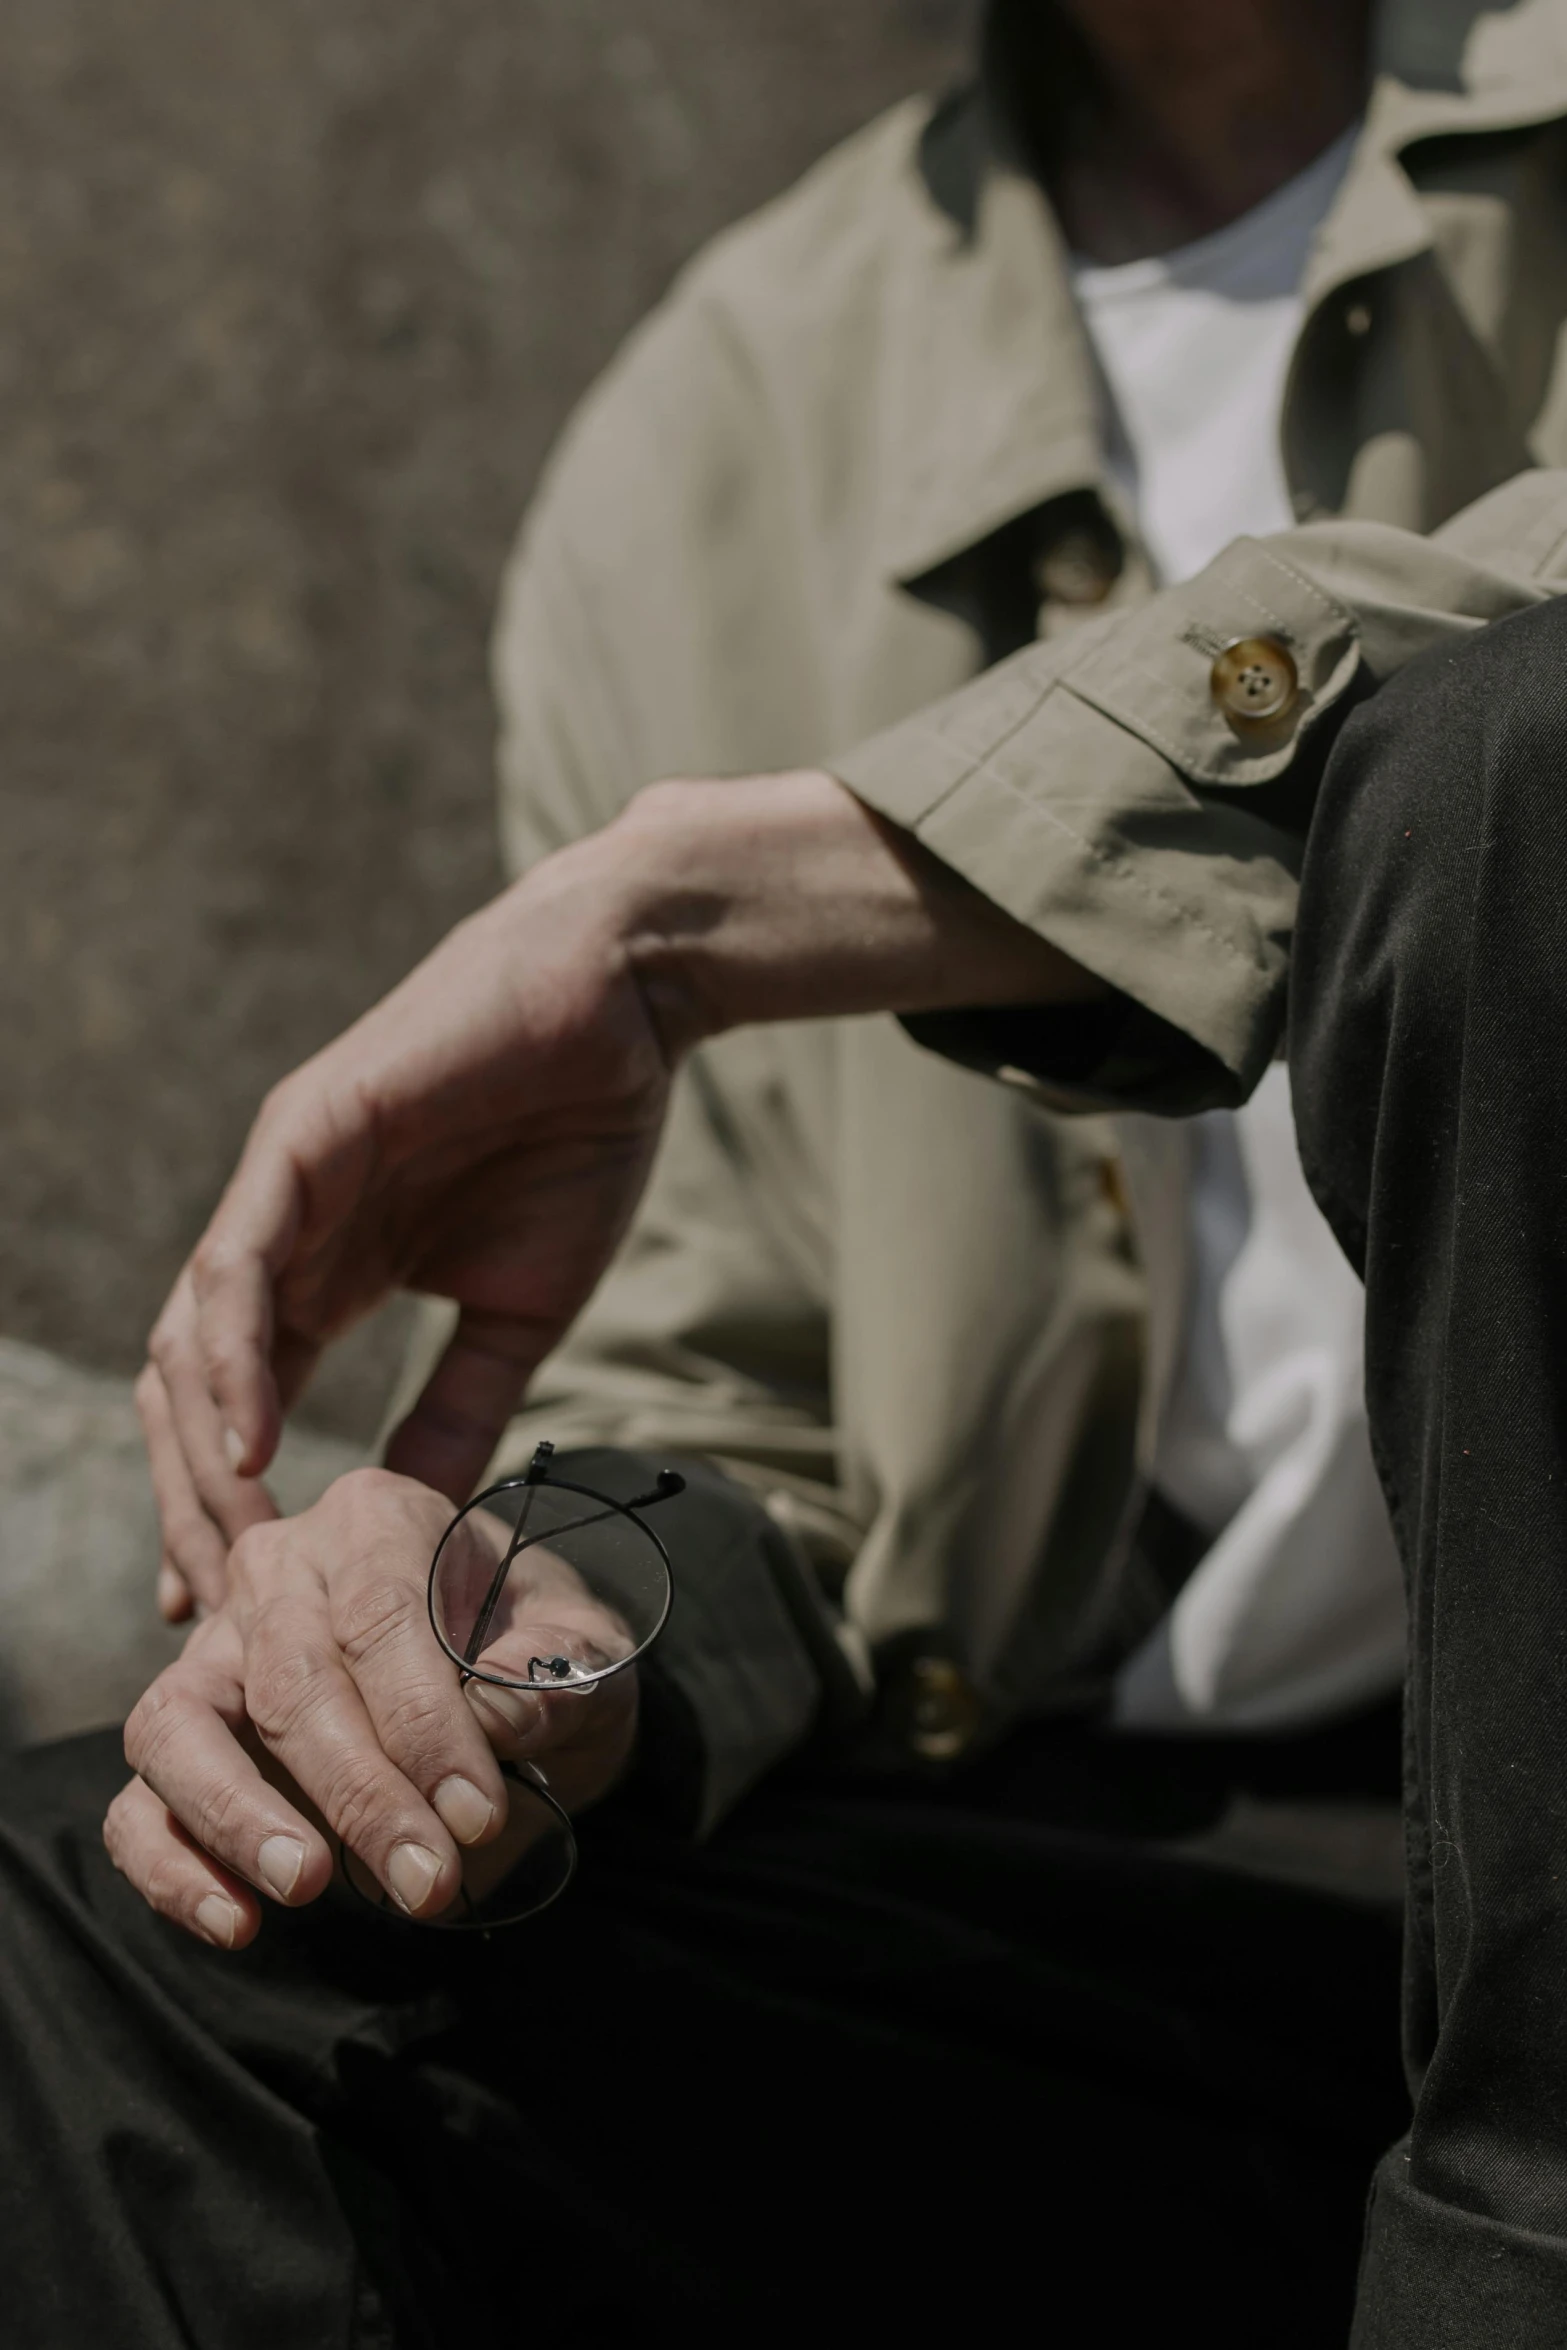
x: 1023, y: 2054
x: 1430, y: 1064
x: 874, y: 2061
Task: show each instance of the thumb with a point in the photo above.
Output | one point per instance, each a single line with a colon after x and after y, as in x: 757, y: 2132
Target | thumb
x: 447, y: 1439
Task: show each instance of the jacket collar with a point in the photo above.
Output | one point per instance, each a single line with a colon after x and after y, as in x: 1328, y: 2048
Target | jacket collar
x: 993, y: 406
x: 992, y: 403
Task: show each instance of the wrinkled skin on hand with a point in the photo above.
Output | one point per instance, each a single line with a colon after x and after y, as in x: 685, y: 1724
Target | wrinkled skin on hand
x: 314, y: 1709
x: 482, y: 1135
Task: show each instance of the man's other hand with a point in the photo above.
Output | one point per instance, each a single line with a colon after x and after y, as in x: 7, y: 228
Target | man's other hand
x: 315, y: 1708
x: 482, y: 1135
x: 485, y: 1132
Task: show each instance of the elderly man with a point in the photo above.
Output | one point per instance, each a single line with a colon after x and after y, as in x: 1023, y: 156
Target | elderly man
x: 930, y: 2040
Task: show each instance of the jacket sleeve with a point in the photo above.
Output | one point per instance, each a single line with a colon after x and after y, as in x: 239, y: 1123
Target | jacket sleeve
x: 1093, y: 787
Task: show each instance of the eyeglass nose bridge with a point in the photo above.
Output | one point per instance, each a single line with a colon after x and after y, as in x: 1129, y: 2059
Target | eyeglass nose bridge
x: 558, y: 1668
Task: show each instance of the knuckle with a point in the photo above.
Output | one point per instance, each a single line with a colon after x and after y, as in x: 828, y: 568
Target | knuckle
x: 222, y: 1813
x: 276, y: 1104
x: 417, y: 1725
x: 164, y: 1883
x: 253, y: 1553
x: 373, y: 1616
x: 367, y: 1489
x: 153, y: 1721
x: 360, y: 1803
x: 284, y: 1689
x: 224, y: 1353
x: 248, y: 1549
x: 211, y: 1258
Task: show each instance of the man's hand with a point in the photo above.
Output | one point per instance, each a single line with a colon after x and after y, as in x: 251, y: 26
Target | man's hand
x: 485, y: 1132
x: 315, y: 1707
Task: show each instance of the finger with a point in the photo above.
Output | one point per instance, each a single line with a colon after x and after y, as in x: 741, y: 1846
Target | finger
x: 148, y: 1845
x: 447, y: 1439
x: 547, y: 1613
x: 182, y: 1740
x: 309, y: 1713
x: 195, y: 1456
x: 585, y: 1734
x: 413, y: 1697
x: 175, y: 1603
x: 584, y: 1741
x: 231, y: 1276
x: 516, y: 1723
x: 194, y: 1546
x: 522, y: 1724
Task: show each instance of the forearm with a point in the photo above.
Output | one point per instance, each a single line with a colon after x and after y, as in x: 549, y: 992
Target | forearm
x: 484, y: 1133
x: 784, y: 898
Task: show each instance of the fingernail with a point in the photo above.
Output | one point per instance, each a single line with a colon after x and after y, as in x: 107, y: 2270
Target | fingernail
x: 280, y: 1860
x: 234, y: 1446
x: 171, y: 1597
x: 219, y: 1919
x: 463, y: 1808
x: 411, y: 1871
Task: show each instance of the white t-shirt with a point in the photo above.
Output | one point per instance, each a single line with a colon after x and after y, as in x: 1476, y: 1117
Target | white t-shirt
x: 1296, y: 1609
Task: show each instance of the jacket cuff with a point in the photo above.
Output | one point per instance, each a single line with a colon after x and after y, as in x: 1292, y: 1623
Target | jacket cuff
x: 736, y: 1680
x: 1115, y: 1055
x: 1093, y: 788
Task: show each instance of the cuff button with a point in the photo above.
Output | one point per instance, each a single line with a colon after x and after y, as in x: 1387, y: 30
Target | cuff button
x: 1254, y: 681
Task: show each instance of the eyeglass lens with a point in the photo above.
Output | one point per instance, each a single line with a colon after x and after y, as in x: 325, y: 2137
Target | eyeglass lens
x: 540, y: 1585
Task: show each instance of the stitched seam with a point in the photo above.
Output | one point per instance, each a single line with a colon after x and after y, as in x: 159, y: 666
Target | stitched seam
x: 1145, y: 730
x: 974, y: 763
x: 1300, y: 581
x: 1115, y: 864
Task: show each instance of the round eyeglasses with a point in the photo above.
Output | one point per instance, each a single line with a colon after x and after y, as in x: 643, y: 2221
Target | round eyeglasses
x: 549, y: 1586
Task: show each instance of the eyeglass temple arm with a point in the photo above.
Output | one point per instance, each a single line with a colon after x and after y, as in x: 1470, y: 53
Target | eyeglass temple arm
x: 670, y: 1482
x: 492, y: 1598
x: 613, y: 1509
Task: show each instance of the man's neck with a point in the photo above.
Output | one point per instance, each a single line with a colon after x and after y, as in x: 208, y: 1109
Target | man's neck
x: 1183, y: 114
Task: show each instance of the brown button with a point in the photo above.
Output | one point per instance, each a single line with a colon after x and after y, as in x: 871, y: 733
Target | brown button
x: 1080, y: 567
x: 944, y: 1709
x: 1254, y: 681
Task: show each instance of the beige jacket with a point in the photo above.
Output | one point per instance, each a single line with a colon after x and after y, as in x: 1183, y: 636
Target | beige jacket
x: 852, y: 458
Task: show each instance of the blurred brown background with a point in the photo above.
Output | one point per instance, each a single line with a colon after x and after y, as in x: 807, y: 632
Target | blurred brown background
x: 295, y: 298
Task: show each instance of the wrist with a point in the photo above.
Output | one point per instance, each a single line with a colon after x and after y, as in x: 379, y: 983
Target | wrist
x: 784, y: 897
